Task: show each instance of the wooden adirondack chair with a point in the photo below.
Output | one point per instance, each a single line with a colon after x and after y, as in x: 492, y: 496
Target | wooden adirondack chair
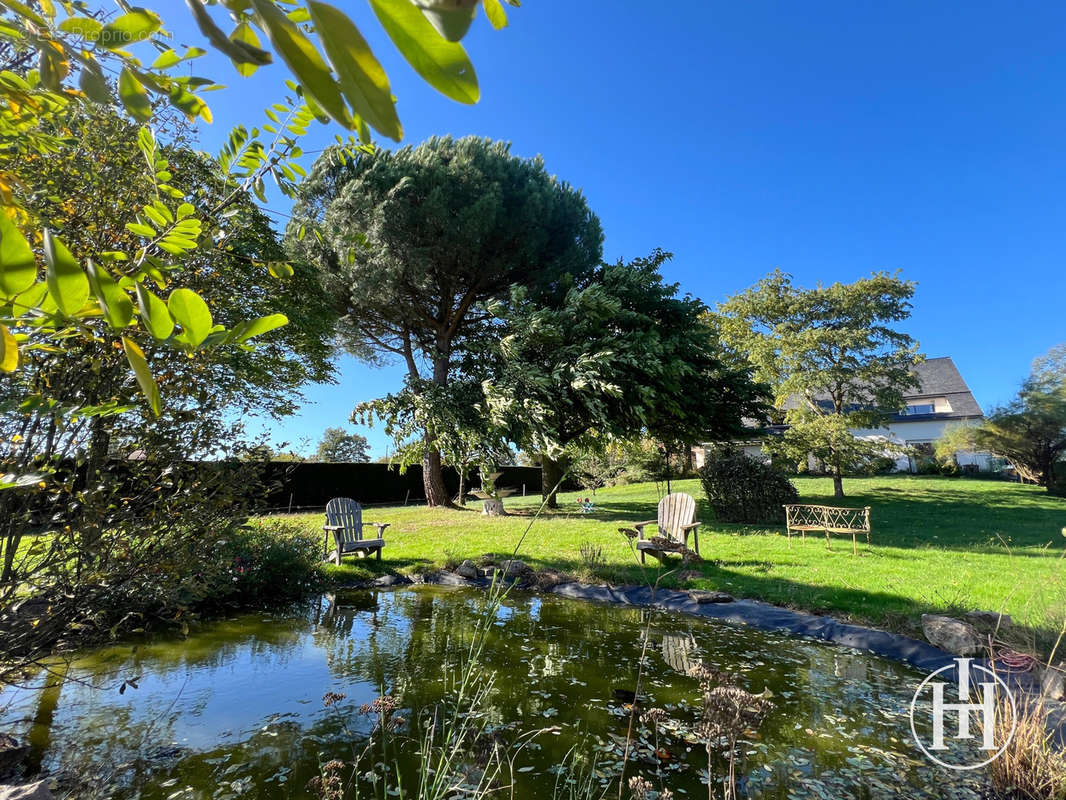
x: 676, y: 520
x: 344, y: 519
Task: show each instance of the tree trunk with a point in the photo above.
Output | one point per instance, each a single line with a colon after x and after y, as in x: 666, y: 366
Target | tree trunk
x: 433, y: 479
x: 462, y: 486
x: 838, y: 482
x: 551, y: 473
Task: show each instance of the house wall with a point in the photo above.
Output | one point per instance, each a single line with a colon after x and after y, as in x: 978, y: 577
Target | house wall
x: 922, y: 431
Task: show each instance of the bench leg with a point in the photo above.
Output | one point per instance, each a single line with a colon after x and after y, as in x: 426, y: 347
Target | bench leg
x: 854, y: 547
x: 379, y: 554
x: 827, y: 547
x: 641, y: 556
x: 788, y: 532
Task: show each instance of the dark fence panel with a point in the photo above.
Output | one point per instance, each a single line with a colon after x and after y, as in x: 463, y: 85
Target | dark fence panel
x: 307, y: 484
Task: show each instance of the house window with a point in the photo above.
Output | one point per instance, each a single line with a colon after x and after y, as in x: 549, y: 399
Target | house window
x: 921, y: 408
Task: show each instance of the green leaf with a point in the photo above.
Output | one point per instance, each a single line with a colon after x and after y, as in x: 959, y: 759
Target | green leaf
x: 134, y: 26
x: 280, y: 269
x: 9, y: 350
x: 361, y: 75
x: 191, y: 312
x: 154, y: 314
x: 114, y: 302
x: 494, y: 11
x: 18, y: 268
x: 244, y: 34
x: 443, y: 65
x: 258, y: 327
x: 133, y: 96
x: 140, y: 230
x: 303, y: 59
x: 85, y: 27
x: 145, y: 379
x: 94, y: 84
x: 166, y: 60
x: 68, y: 285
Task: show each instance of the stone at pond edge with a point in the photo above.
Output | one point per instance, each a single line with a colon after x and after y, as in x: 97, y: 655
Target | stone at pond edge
x: 513, y: 568
x: 1053, y: 682
x: 390, y: 580
x: 702, y: 597
x: 468, y: 569
x: 28, y: 791
x: 957, y: 637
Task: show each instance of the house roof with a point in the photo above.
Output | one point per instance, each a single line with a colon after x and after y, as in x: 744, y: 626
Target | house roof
x: 940, y: 377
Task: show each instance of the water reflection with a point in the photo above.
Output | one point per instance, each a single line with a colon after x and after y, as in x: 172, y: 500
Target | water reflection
x: 236, y: 708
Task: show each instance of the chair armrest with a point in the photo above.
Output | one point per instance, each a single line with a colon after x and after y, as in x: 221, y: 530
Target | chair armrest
x: 641, y: 525
x: 381, y: 526
x: 333, y: 527
x: 690, y: 526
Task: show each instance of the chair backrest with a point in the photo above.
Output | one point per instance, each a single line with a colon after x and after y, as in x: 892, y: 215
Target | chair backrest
x: 676, y: 510
x: 348, y: 514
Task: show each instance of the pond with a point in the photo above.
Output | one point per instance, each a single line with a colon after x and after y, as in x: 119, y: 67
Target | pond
x: 237, y: 707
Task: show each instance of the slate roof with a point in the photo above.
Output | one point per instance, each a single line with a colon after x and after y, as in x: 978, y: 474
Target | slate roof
x: 941, y: 378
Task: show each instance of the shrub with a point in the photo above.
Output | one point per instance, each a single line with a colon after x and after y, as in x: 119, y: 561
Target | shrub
x: 265, y: 561
x: 744, y: 489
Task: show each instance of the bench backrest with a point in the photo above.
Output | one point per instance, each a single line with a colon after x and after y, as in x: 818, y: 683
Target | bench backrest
x: 348, y: 514
x: 676, y: 510
x: 857, y: 519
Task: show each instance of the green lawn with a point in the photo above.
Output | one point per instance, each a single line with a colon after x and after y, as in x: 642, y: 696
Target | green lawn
x: 938, y: 544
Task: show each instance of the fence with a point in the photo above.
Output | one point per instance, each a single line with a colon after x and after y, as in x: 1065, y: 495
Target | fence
x: 307, y: 485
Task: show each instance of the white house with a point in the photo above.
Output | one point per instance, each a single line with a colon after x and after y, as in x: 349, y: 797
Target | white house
x: 942, y: 400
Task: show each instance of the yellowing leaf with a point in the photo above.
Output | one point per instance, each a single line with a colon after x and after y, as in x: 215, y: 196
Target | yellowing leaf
x: 9, y: 350
x: 494, y: 11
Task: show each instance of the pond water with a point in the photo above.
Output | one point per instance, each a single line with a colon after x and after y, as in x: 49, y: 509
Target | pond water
x: 236, y: 708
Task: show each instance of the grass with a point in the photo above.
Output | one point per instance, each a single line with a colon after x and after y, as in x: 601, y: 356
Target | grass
x: 939, y: 545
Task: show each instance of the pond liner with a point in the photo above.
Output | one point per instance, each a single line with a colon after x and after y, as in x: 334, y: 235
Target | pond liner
x: 771, y: 618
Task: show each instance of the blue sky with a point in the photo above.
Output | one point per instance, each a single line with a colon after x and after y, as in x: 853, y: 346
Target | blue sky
x: 827, y: 139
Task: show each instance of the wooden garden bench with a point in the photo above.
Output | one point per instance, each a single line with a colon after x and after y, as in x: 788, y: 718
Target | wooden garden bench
x: 829, y: 519
x: 344, y: 520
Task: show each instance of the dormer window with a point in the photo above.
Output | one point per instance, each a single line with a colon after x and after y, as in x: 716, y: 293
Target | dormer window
x: 936, y: 405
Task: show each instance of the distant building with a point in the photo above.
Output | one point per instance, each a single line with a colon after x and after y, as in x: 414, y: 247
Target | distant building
x: 942, y: 400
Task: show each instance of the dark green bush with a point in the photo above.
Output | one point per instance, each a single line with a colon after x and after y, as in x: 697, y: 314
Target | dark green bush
x: 265, y: 561
x: 744, y: 489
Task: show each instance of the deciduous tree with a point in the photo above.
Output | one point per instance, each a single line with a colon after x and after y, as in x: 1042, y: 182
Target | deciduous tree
x: 1030, y: 430
x: 834, y: 358
x: 621, y: 355
x: 338, y: 445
